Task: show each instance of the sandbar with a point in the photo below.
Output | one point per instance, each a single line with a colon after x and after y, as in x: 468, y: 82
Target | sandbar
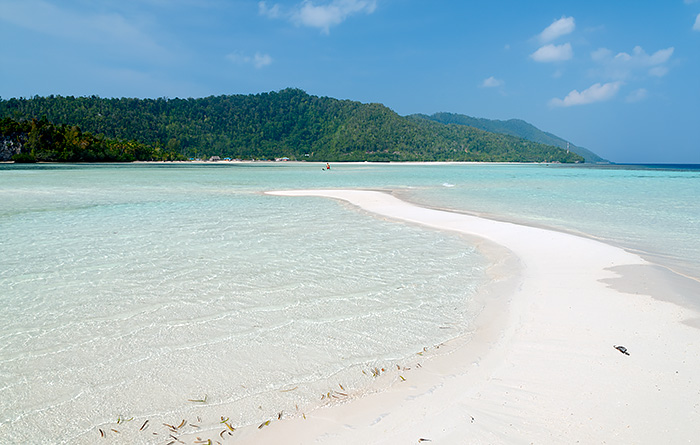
x: 542, y: 367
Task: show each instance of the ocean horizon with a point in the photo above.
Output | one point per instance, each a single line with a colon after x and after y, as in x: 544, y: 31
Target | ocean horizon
x: 172, y: 290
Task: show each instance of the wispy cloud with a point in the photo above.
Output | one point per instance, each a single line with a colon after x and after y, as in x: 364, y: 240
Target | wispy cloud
x: 623, y: 65
x: 258, y: 60
x: 558, y: 28
x: 491, y: 82
x: 658, y: 71
x: 111, y: 31
x: 553, y: 53
x: 322, y: 16
x: 273, y: 12
x: 696, y: 26
x: 595, y: 93
x: 637, y: 95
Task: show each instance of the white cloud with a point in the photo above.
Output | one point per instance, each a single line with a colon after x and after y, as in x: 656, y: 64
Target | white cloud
x: 258, y: 60
x: 595, y: 93
x: 558, y: 28
x: 696, y: 26
x: 491, y: 82
x: 273, y: 12
x: 261, y: 60
x: 637, y: 95
x: 553, y: 53
x: 623, y: 65
x: 321, y: 16
x: 658, y: 71
x: 660, y: 56
x: 112, y: 32
x: 601, y: 54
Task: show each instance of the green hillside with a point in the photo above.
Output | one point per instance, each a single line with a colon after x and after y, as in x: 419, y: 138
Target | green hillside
x: 513, y: 127
x: 39, y: 140
x: 289, y: 123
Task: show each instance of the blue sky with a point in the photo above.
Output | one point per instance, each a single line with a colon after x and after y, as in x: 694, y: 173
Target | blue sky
x: 621, y: 77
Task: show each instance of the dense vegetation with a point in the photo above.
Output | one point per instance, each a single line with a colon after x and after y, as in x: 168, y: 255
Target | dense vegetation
x: 513, y: 127
x: 288, y: 123
x: 40, y: 140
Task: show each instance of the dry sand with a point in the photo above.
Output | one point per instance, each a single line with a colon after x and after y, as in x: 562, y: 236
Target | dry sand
x: 541, y: 368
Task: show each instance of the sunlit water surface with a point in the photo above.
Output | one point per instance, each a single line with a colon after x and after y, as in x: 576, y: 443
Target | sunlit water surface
x: 135, y: 290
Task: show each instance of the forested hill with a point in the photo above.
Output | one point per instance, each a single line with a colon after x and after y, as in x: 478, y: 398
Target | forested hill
x: 513, y: 127
x: 289, y: 123
x: 38, y: 140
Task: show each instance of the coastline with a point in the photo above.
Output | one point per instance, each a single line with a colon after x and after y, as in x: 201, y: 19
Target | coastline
x: 541, y: 367
x: 223, y: 200
x: 656, y: 258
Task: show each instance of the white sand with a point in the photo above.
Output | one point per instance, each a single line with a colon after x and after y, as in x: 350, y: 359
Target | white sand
x: 542, y: 367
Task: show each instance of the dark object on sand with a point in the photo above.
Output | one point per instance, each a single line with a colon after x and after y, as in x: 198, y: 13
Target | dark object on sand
x: 622, y: 349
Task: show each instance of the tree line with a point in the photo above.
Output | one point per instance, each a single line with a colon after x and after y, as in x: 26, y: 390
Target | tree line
x: 38, y: 140
x: 513, y: 127
x: 288, y: 123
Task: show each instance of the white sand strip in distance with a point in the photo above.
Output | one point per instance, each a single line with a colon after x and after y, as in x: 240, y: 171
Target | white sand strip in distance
x: 547, y: 373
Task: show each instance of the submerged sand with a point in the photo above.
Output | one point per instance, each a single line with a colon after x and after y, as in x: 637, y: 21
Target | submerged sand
x: 541, y: 366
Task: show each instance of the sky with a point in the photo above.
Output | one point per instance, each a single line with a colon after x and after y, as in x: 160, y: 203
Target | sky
x: 619, y: 77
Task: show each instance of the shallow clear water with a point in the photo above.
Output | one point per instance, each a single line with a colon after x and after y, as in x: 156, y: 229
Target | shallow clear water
x: 126, y: 290
x: 651, y: 210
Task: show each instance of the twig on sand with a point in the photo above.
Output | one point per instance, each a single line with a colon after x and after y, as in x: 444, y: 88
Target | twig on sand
x: 120, y: 419
x: 178, y: 440
x: 224, y: 420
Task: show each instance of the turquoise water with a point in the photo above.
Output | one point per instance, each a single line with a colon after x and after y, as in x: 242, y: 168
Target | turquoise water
x: 653, y: 211
x: 126, y: 290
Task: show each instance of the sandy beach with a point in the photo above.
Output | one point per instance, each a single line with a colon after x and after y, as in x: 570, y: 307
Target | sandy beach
x: 541, y: 366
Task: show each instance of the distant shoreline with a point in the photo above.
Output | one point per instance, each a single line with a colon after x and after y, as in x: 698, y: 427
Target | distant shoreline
x: 611, y: 165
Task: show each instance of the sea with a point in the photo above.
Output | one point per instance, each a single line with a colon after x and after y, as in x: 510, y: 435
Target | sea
x: 147, y: 293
